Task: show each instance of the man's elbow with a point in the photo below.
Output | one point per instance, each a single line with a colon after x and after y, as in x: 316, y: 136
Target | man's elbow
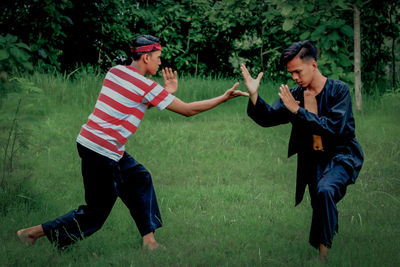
x: 189, y: 113
x: 189, y: 110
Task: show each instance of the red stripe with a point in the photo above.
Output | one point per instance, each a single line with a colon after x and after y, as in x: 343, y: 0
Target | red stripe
x: 110, y: 119
x: 160, y: 97
x: 121, y: 108
x: 122, y: 91
x: 111, y: 132
x: 100, y: 141
x: 135, y: 81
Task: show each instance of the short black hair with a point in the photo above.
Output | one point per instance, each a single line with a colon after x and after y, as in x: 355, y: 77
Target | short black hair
x: 142, y: 40
x: 304, y: 49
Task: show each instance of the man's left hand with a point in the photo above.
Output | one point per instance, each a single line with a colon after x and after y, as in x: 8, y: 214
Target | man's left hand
x: 170, y: 80
x: 288, y: 100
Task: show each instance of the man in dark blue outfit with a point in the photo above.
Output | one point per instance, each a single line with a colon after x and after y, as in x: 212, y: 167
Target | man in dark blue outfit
x: 323, y: 136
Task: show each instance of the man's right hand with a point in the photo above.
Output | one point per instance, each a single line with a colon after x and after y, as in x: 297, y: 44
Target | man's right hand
x: 231, y: 93
x: 250, y: 83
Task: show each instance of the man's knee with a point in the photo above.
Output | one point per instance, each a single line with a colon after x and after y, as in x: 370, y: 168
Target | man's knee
x: 143, y: 179
x: 92, y: 216
x: 331, y: 191
x: 325, y: 191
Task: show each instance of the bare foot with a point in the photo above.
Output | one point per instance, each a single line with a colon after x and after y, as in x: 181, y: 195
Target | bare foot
x: 153, y: 246
x: 323, y: 253
x: 150, y: 243
x: 28, y: 236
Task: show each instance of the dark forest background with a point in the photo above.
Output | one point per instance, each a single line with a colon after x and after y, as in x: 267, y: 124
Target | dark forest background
x: 202, y: 37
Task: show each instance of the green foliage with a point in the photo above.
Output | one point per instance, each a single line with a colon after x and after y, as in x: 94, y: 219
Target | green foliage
x: 381, y: 20
x: 320, y: 22
x: 14, y: 57
x: 207, y: 37
x: 42, y: 23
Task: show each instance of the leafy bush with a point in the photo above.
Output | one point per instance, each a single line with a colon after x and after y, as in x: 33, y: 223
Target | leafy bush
x: 207, y: 37
x: 14, y: 57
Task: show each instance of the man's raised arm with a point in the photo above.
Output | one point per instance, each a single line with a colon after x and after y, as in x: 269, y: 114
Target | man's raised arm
x: 251, y: 84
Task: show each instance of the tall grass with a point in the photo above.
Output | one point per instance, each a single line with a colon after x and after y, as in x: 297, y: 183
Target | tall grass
x: 224, y: 185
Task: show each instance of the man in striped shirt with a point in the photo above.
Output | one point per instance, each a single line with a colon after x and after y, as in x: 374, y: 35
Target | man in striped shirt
x: 108, y: 171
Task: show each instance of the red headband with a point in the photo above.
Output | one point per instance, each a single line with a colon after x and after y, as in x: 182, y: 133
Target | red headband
x: 146, y: 48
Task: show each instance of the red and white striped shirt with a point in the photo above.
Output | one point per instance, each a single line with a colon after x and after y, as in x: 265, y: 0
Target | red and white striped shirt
x: 124, y: 98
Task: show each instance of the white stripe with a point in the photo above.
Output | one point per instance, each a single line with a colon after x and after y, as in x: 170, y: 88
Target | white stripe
x: 165, y: 103
x: 121, y: 130
x: 118, y: 97
x: 118, y: 115
x: 125, y: 84
x: 135, y: 74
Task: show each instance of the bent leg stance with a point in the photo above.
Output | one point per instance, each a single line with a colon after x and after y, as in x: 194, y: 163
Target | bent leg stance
x: 328, y: 189
x: 100, y: 196
x: 104, y: 180
x: 136, y: 190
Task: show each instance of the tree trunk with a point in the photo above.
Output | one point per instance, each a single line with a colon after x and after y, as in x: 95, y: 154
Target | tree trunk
x: 393, y: 64
x: 393, y: 7
x: 357, y: 57
x: 261, y: 49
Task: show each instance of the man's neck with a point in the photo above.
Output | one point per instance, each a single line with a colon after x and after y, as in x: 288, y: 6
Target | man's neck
x: 137, y: 66
x: 318, y: 83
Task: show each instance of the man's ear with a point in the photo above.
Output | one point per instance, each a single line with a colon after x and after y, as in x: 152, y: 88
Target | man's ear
x: 314, y: 64
x: 146, y: 58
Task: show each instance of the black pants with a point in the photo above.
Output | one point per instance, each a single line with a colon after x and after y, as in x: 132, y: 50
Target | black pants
x: 328, y: 178
x: 104, y: 180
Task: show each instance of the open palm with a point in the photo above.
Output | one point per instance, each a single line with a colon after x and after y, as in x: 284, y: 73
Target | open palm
x: 250, y: 83
x: 170, y: 80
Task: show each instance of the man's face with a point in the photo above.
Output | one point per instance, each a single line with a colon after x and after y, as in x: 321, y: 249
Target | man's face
x: 302, y: 71
x: 154, y: 61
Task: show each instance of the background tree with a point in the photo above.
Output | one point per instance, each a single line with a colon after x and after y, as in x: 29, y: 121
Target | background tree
x: 357, y: 57
x: 209, y: 37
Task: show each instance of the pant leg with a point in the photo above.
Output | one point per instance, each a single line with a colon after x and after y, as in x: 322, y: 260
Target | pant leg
x: 100, y: 196
x: 136, y: 190
x: 328, y: 190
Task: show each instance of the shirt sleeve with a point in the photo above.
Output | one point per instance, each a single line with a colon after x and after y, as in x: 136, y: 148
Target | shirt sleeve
x: 268, y: 115
x: 159, y: 97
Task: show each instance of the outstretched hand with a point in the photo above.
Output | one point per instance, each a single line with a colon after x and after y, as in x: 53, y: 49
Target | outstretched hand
x: 170, y: 80
x: 231, y: 93
x: 250, y: 83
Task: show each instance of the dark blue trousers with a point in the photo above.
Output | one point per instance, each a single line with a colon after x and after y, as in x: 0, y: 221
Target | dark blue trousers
x: 105, y: 180
x: 328, y: 178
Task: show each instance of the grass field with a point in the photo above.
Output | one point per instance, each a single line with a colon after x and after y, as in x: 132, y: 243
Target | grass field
x: 224, y: 185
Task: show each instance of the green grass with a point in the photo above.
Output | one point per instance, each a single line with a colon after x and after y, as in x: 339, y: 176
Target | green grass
x: 224, y: 186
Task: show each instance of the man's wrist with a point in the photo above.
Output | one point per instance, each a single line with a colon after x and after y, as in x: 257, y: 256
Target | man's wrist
x: 253, y: 97
x: 253, y: 94
x: 224, y: 98
x: 170, y: 89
